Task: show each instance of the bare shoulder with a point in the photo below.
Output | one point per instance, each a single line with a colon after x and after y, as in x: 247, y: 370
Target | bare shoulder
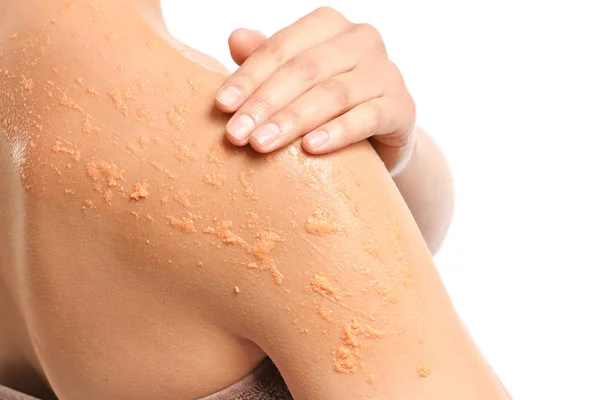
x: 316, y: 260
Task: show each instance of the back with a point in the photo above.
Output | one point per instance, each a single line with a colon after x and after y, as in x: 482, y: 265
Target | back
x: 95, y: 140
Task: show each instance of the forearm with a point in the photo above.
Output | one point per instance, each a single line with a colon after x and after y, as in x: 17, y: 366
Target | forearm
x: 426, y: 185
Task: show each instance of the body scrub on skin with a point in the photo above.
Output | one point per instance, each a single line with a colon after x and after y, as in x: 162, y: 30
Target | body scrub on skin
x: 140, y: 191
x: 346, y: 358
x: 320, y: 223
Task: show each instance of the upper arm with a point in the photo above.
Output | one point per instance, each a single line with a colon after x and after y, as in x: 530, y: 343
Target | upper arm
x: 350, y: 259
x: 324, y: 268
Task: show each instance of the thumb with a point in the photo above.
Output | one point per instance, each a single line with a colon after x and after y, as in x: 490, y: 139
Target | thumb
x: 242, y: 42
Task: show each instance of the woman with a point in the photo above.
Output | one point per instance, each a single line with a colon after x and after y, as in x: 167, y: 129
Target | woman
x: 144, y: 257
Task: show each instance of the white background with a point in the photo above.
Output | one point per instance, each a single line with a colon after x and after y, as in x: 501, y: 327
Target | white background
x: 511, y: 91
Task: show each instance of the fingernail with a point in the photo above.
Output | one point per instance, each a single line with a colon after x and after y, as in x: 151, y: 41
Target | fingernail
x: 266, y: 134
x: 240, y: 126
x: 317, y: 139
x: 229, y: 96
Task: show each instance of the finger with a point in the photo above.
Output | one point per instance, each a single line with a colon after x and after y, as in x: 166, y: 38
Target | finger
x: 375, y: 117
x: 337, y: 56
x: 324, y: 102
x: 317, y: 27
x: 242, y: 42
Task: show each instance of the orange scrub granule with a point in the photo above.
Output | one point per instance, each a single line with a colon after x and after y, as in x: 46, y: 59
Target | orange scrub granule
x: 424, y: 370
x: 182, y: 198
x: 265, y: 243
x: 346, y: 358
x: 92, y: 92
x: 217, y: 154
x: 27, y: 83
x: 184, y: 224
x: 175, y: 117
x: 320, y: 224
x: 86, y: 125
x: 251, y: 220
x: 59, y: 147
x: 184, y: 153
x: 373, y: 249
x: 117, y: 97
x: 248, y: 188
x: 325, y: 313
x: 320, y: 284
x: 88, y: 204
x: 145, y: 113
x: 152, y: 45
x: 389, y: 295
x: 68, y: 103
x: 143, y: 140
x: 223, y: 230
x: 109, y: 170
x: 140, y: 191
x: 195, y: 86
x: 215, y: 180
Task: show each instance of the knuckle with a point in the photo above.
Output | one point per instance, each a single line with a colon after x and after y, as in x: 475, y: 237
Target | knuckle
x: 329, y: 12
x: 343, y: 127
x: 411, y: 108
x: 289, y: 118
x: 399, y: 78
x: 258, y: 106
x: 242, y: 80
x: 374, y: 118
x: 337, y: 90
x: 372, y: 34
x: 394, y: 76
x: 303, y: 68
x: 368, y: 29
x: 395, y: 69
x: 273, y: 50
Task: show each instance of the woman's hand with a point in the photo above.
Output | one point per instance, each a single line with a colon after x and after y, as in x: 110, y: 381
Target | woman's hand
x: 322, y: 78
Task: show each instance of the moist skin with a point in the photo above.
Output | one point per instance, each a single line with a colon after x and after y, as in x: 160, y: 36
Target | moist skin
x: 347, y: 357
x: 424, y: 370
x: 320, y: 223
x: 154, y: 134
x: 140, y: 191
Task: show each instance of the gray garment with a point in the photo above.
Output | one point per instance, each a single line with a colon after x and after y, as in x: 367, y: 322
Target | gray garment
x: 9, y: 394
x: 264, y: 383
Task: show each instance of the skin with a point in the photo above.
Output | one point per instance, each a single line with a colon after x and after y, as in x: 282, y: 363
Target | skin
x: 381, y: 109
x: 340, y: 87
x: 128, y: 274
